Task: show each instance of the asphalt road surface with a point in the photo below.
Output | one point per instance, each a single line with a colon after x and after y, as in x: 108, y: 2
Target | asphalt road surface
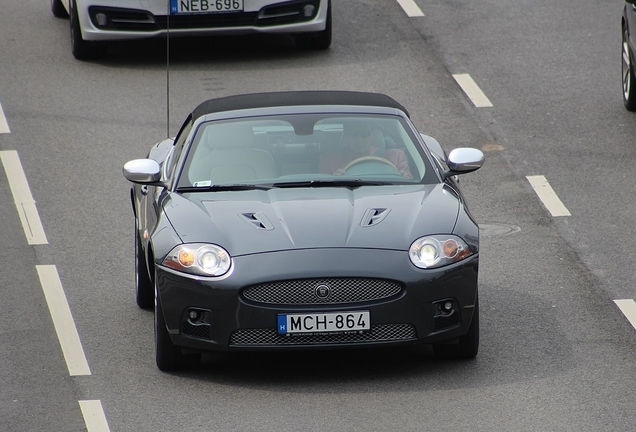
x: 554, y: 200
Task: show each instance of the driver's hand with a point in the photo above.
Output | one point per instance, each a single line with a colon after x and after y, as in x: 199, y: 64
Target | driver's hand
x: 339, y: 172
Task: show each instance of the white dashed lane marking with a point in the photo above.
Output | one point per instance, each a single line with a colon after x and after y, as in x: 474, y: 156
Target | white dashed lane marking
x: 472, y: 90
x: 547, y: 196
x: 23, y: 199
x: 411, y: 8
x: 628, y: 307
x: 94, y: 416
x: 63, y: 320
x: 4, y: 126
x: 67, y: 334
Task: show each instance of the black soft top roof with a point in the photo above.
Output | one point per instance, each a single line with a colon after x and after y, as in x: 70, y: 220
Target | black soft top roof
x: 296, y: 98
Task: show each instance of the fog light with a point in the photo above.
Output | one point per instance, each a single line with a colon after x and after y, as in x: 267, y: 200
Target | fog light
x: 444, y: 308
x: 193, y: 315
x: 309, y: 10
x: 446, y: 315
x: 101, y: 19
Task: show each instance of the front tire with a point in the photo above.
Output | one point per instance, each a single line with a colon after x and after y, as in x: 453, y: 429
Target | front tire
x: 81, y: 49
x: 319, y: 40
x: 629, y: 81
x: 58, y: 9
x: 467, y: 346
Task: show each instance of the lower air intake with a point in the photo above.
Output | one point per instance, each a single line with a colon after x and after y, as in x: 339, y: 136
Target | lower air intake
x: 269, y: 337
x: 201, y: 331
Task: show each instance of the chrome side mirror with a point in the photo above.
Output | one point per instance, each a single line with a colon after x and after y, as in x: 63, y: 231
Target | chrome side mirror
x: 144, y: 171
x: 464, y: 160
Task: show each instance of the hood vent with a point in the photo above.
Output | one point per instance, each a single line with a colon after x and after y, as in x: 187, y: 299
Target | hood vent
x: 374, y: 216
x: 257, y: 220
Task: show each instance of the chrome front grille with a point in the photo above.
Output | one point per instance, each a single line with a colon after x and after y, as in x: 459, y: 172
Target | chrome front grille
x: 269, y: 337
x: 312, y: 291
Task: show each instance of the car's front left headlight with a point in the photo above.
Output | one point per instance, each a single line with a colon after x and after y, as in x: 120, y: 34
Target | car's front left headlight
x: 438, y: 250
x: 200, y: 259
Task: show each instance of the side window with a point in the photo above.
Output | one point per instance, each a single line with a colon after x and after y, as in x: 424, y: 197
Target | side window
x: 179, y: 145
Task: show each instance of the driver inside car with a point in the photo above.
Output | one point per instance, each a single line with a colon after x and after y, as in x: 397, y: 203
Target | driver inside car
x: 363, y: 139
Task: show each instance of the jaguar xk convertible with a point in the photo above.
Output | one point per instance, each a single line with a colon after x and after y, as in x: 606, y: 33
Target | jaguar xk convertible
x: 304, y: 220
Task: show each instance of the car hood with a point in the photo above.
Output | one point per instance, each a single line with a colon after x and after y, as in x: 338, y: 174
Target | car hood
x: 254, y: 221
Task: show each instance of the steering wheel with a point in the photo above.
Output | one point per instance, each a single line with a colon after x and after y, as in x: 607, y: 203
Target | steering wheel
x: 364, y: 159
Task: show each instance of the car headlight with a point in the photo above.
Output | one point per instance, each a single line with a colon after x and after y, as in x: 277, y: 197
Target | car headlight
x: 200, y: 259
x: 438, y: 251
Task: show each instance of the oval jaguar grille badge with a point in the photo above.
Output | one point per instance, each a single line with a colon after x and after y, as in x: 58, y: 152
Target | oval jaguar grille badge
x: 322, y: 291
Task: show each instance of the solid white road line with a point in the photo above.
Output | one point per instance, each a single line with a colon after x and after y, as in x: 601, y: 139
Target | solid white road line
x: 628, y: 307
x: 94, y: 416
x: 4, y: 126
x: 472, y: 90
x: 23, y: 199
x: 411, y: 9
x: 547, y: 195
x: 63, y: 320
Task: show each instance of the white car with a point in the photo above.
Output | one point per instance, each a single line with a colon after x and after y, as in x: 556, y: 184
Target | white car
x: 94, y: 22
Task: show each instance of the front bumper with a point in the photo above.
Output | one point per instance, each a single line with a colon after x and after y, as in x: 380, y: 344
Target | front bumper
x: 403, y: 301
x: 118, y: 21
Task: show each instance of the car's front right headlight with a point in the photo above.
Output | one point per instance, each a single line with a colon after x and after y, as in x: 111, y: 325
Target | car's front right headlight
x: 438, y: 250
x: 200, y: 259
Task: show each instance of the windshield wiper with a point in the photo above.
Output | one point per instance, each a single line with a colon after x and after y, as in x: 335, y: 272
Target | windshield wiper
x: 352, y: 183
x: 223, y: 187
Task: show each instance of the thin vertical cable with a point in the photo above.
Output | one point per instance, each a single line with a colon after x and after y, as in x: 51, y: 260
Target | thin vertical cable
x: 168, y: 71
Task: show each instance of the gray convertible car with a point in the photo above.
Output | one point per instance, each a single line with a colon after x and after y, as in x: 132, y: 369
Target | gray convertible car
x: 304, y: 220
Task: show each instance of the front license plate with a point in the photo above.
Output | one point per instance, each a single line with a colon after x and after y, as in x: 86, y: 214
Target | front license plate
x: 324, y: 322
x: 205, y: 6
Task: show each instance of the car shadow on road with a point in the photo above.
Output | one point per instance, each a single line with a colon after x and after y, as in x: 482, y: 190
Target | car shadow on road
x: 195, y: 50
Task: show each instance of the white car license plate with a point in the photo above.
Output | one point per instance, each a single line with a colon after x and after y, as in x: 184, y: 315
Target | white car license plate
x: 324, y: 322
x: 205, y: 6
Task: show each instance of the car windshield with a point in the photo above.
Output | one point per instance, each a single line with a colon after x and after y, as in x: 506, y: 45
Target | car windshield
x: 299, y: 150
